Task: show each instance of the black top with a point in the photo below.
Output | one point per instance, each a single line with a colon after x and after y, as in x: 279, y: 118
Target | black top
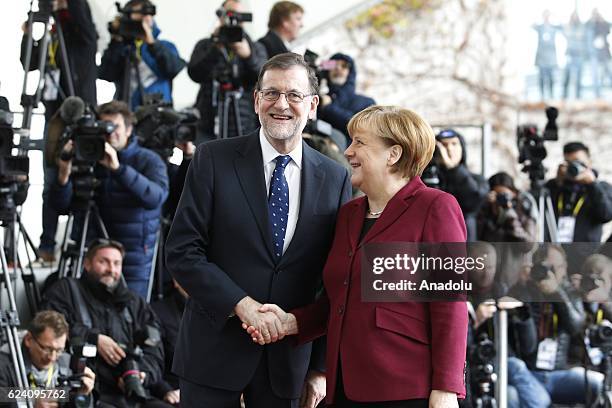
x: 368, y: 223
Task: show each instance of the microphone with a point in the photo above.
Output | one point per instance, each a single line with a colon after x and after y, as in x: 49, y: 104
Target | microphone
x: 72, y: 109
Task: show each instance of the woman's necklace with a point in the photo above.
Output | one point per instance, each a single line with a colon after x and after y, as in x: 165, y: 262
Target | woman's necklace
x: 375, y: 213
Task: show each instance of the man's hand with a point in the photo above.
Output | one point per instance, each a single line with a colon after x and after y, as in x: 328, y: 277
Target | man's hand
x: 173, y: 397
x: 313, y: 391
x: 110, y: 159
x: 64, y: 167
x: 89, y: 379
x: 110, y: 350
x: 443, y: 399
x: 148, y: 38
x: 288, y: 320
x: 242, y: 48
x: 587, y: 176
x: 549, y: 285
x: 484, y: 312
x: 561, y: 173
x: 445, y: 159
x: 188, y: 149
x: 266, y: 323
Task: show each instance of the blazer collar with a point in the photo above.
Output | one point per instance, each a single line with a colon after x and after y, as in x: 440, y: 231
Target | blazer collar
x: 398, y: 204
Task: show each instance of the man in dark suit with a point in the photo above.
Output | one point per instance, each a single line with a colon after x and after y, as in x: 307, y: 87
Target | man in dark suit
x: 284, y: 26
x: 253, y: 226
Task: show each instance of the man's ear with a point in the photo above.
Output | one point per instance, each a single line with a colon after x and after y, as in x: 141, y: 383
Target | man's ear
x: 256, y: 99
x: 312, y: 114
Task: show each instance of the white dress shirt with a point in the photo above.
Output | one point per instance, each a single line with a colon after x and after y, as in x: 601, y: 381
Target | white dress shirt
x: 293, y: 173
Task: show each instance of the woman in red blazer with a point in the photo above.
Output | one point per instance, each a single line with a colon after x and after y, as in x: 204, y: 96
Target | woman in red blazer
x: 403, y: 354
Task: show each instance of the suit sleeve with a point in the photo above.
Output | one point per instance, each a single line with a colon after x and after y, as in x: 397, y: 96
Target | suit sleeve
x: 188, y: 241
x: 449, y: 320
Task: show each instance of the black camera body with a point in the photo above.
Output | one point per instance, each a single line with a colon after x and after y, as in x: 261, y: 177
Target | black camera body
x: 159, y: 127
x: 129, y: 369
x: 482, y: 358
x: 539, y: 272
x: 600, y: 335
x: 231, y: 31
x: 128, y: 28
x: 574, y: 168
x: 531, y: 144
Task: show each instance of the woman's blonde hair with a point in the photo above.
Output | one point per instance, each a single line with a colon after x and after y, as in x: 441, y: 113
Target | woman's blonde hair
x: 399, y: 126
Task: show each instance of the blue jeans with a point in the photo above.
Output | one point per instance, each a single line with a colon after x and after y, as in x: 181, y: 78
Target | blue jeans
x: 568, y: 386
x: 524, y: 390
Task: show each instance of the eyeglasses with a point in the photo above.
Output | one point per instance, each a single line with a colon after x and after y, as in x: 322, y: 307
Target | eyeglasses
x: 48, y: 350
x: 272, y: 95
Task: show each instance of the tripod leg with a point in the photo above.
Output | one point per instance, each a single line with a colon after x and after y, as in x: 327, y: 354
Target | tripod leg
x: 64, y: 257
x: 237, y: 118
x: 226, y: 105
x: 550, y: 220
x: 77, y: 272
x: 29, y: 279
x: 153, y: 265
x: 100, y: 222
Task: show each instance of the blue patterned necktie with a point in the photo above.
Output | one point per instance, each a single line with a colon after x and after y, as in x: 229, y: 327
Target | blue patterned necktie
x: 278, y: 205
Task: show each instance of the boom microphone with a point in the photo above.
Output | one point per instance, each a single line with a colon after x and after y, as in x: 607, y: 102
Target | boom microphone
x: 72, y: 109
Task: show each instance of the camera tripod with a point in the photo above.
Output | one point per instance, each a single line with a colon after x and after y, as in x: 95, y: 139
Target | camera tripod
x: 227, y: 97
x: 546, y: 221
x: 71, y: 261
x: 9, y: 321
x: 604, y: 399
x: 131, y: 62
x: 44, y: 15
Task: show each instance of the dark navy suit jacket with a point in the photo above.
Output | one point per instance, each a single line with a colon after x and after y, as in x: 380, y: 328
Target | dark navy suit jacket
x: 219, y: 249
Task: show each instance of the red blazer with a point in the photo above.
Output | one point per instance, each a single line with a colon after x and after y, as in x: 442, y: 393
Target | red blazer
x: 389, y: 351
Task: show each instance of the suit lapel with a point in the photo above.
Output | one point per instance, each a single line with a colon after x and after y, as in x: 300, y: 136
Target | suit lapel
x: 394, y: 209
x: 249, y: 168
x: 355, y: 221
x: 311, y: 185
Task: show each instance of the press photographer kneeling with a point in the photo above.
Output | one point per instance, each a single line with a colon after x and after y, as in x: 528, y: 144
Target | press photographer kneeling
x: 48, y: 365
x: 101, y: 309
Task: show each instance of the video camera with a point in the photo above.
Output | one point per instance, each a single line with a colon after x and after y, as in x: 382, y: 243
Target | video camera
x: 231, y: 31
x: 159, y: 127
x: 531, y: 145
x: 80, y: 351
x: 89, y: 136
x: 14, y: 166
x: 600, y: 335
x: 129, y: 369
x: 128, y: 28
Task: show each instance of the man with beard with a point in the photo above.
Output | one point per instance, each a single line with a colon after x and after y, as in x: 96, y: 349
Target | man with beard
x: 261, y: 236
x: 101, y: 310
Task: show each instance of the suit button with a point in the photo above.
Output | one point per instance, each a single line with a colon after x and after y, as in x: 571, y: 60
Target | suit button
x: 345, y: 282
x: 341, y: 310
x: 350, y: 254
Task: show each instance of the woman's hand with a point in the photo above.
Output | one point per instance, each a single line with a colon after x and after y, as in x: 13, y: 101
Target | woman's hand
x: 443, y: 399
x: 288, y: 321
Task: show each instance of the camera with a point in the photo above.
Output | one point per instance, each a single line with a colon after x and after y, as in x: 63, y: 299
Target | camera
x: 574, y: 168
x: 483, y: 376
x: 531, y: 144
x: 128, y: 28
x: 129, y: 369
x: 504, y: 200
x: 159, y: 127
x: 231, y: 31
x: 600, y: 335
x: 539, y: 271
x: 14, y: 166
x: 79, y: 353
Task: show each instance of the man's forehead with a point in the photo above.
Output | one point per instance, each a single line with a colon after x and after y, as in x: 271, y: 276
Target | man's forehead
x: 109, y: 252
x: 294, y: 77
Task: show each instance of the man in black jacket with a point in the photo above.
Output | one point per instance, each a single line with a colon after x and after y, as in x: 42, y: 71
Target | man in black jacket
x: 102, y: 310
x: 284, y: 26
x: 45, y: 360
x: 225, y: 71
x: 157, y: 61
x: 468, y: 188
x: 80, y: 37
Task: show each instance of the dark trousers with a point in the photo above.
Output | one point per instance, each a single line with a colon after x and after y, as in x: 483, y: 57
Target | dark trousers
x: 341, y: 401
x: 257, y: 394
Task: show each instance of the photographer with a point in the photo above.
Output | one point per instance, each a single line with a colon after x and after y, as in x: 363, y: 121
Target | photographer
x: 507, y: 215
x: 133, y: 187
x: 454, y: 177
x: 101, y: 309
x: 221, y: 67
x: 152, y: 63
x: 341, y: 102
x: 80, y: 37
x: 45, y: 361
x: 581, y: 202
x: 558, y: 314
x: 284, y: 25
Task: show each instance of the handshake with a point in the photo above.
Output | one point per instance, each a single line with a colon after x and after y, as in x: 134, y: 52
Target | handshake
x: 265, y: 323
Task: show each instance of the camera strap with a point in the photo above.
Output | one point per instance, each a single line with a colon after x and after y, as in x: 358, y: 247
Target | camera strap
x: 566, y: 224
x: 78, y: 298
x: 575, y: 210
